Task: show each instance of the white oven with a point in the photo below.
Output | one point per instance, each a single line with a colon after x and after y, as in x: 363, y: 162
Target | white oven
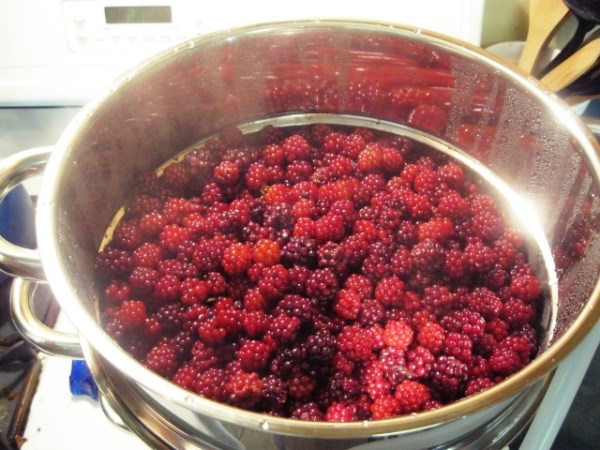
x: 61, y: 52
x: 55, y: 55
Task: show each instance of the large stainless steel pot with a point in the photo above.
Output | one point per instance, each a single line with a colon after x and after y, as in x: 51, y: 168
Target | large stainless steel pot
x: 504, y: 123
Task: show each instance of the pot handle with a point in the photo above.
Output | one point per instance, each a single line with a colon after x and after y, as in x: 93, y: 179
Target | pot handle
x: 33, y: 330
x: 16, y: 260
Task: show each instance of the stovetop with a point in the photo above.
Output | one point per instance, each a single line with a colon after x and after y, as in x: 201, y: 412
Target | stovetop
x: 57, y: 414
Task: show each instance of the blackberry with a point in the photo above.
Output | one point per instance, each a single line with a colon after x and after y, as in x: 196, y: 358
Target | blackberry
x: 115, y: 262
x: 322, y: 285
x: 320, y: 346
x: 449, y: 376
x: 309, y: 411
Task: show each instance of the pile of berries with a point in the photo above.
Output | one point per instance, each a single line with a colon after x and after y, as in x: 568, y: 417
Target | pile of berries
x: 320, y: 273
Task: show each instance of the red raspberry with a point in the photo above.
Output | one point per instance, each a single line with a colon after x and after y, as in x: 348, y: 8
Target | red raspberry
x: 301, y: 386
x: 359, y: 283
x: 412, y: 395
x: 390, y: 291
x: 296, y: 147
x: 371, y: 312
x: 194, y: 290
x: 347, y: 304
x: 142, y: 279
x: 428, y: 255
x: 516, y: 312
x: 211, y: 384
x: 173, y: 236
x: 211, y: 331
x: 118, y: 291
x: 257, y: 177
x: 485, y: 302
x: 253, y: 355
x: 127, y: 235
x: 431, y: 335
x: 304, y: 208
x: 274, y: 282
x: 454, y: 264
x: 185, y: 376
x: 237, y: 258
x: 354, y: 144
x: 466, y: 321
x: 284, y: 328
x: 175, y: 209
x: 151, y: 224
x: 479, y: 257
x: 356, y: 343
x: 273, y: 154
x: 458, y: 345
x: 452, y: 205
x: 439, y: 229
x: 226, y: 173
x: 148, y: 255
x: 378, y: 388
x: 385, y: 407
x: 371, y: 159
x: 255, y: 323
x: 526, y: 287
x: 419, y: 362
x: 452, y: 174
x: 275, y: 393
x: 162, y: 359
x: 267, y: 252
x: 393, y: 161
x: 167, y: 287
x: 132, y: 314
x: 341, y: 412
x: 277, y: 193
x: 330, y: 227
x: 298, y: 171
x: 438, y: 299
x: 505, y: 361
x: 476, y: 385
x: 398, y: 334
x: 244, y: 389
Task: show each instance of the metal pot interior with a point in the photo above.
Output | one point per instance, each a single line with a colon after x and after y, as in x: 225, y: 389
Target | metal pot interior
x: 499, y: 120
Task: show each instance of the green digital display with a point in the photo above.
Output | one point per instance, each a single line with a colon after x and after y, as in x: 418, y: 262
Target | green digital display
x: 137, y: 14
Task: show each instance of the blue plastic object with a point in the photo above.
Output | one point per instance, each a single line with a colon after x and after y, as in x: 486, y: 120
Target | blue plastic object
x: 17, y: 220
x: 81, y: 381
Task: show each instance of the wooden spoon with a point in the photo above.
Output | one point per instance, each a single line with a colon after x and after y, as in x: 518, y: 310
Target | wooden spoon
x: 573, y: 67
x: 587, y: 13
x: 545, y: 17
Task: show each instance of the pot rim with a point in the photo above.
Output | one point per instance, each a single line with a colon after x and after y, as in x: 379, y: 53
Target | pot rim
x: 47, y: 231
